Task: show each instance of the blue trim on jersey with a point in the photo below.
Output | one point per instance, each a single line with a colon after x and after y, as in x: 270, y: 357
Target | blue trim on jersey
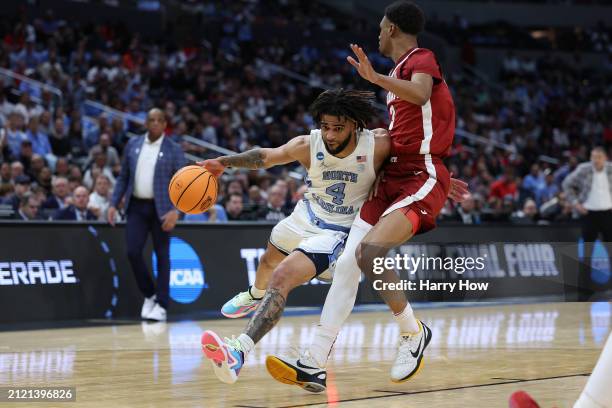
x: 322, y: 224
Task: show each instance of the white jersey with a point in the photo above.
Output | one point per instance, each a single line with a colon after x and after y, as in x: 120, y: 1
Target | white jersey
x: 338, y: 187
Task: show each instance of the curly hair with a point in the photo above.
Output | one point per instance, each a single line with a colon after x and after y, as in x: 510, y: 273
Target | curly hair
x: 407, y: 16
x: 351, y: 104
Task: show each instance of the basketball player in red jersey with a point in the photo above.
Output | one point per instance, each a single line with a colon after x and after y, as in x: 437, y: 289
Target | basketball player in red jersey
x: 405, y: 202
x: 415, y: 183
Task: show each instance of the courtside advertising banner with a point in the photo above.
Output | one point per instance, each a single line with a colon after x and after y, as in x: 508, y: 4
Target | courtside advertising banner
x: 69, y: 270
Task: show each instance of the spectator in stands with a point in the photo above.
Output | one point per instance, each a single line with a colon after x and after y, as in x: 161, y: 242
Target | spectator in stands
x: 5, y: 173
x: 25, y: 156
x: 17, y: 169
x: 549, y: 190
x: 528, y: 215
x: 77, y: 211
x: 149, y: 161
x: 40, y: 141
x: 556, y: 209
x: 99, y: 166
x: 60, y: 191
x: 589, y: 189
x: 5, y: 191
x: 533, y: 183
x: 275, y: 209
x: 15, y: 134
x: 215, y: 214
x: 99, y: 199
x: 75, y: 178
x: 75, y: 138
x: 502, y: 188
x: 62, y: 167
x: 235, y: 187
x: 561, y: 173
x: 22, y: 186
x: 257, y: 198
x: 467, y: 212
x: 60, y: 144
x: 44, y: 180
x: 37, y: 163
x: 28, y: 208
x: 112, y: 156
x: 234, y: 207
x: 5, y: 152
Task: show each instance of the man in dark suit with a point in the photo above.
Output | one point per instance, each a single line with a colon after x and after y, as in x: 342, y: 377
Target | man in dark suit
x: 149, y: 162
x: 28, y: 208
x: 60, y: 190
x: 77, y: 211
x: 22, y: 186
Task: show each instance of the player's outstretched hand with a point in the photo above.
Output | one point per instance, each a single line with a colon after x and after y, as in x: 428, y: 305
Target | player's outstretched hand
x: 364, y: 66
x: 213, y: 165
x: 458, y: 190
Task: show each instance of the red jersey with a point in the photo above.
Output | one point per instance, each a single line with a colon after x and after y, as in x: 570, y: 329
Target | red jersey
x: 427, y: 129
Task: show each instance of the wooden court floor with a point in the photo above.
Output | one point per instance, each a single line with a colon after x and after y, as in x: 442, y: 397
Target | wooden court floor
x: 477, y: 358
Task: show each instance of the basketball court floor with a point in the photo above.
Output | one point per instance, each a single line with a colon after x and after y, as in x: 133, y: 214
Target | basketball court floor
x: 477, y: 358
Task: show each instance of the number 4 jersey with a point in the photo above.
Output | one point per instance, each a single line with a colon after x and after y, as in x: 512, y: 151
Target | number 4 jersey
x: 338, y: 187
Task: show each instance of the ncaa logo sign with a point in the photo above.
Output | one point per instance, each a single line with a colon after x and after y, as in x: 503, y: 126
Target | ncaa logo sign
x: 186, y: 272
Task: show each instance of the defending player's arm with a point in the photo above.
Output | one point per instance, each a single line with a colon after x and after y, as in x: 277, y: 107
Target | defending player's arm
x: 417, y: 90
x: 297, y: 149
x: 382, y: 147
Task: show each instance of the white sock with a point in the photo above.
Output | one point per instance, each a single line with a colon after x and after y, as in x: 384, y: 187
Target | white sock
x: 255, y: 293
x: 597, y: 392
x: 406, y: 320
x: 322, y: 343
x: 246, y: 342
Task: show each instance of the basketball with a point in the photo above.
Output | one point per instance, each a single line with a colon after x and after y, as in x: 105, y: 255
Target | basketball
x: 193, y: 190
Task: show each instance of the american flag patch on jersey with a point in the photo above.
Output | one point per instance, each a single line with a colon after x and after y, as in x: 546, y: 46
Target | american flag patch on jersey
x: 362, y: 159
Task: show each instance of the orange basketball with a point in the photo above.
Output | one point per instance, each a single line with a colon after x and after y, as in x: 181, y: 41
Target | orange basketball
x: 193, y: 189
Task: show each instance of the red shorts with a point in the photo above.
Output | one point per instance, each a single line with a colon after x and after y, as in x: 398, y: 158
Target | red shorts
x: 419, y: 184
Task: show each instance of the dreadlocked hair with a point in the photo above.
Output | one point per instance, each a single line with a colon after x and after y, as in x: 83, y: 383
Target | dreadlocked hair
x: 351, y: 104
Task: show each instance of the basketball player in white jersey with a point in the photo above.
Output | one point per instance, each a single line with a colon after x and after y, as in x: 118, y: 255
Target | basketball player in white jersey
x: 342, y: 158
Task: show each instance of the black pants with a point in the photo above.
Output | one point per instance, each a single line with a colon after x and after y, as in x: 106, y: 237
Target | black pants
x: 142, y: 219
x: 595, y: 224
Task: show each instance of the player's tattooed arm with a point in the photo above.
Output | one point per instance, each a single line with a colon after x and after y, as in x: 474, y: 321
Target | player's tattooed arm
x: 267, y: 315
x: 297, y: 149
x: 252, y: 159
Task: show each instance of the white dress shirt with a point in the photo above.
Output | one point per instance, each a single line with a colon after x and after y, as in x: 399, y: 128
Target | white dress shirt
x: 599, y: 197
x: 100, y: 202
x: 145, y: 168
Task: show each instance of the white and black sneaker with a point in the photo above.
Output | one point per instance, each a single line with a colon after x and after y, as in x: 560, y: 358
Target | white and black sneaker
x: 302, y: 371
x: 410, y: 354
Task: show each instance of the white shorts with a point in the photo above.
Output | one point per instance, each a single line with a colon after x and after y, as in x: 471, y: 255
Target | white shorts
x: 321, y: 244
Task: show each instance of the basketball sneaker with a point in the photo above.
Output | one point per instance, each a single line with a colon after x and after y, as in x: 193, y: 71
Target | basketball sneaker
x: 521, y: 399
x: 147, y: 306
x: 227, y: 357
x: 301, y: 370
x: 159, y: 313
x: 240, y: 305
x: 410, y: 354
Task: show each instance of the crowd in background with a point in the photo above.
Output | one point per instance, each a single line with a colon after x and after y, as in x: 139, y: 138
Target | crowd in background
x: 60, y: 157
